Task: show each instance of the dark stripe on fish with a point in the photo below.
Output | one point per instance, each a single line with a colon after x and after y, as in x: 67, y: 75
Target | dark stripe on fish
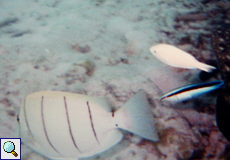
x: 91, y: 120
x: 192, y: 87
x: 70, y: 130
x: 27, y: 123
x: 44, y: 127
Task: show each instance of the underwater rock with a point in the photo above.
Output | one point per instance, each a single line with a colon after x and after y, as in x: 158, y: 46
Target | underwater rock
x: 81, y: 49
x: 221, y: 47
x: 8, y: 21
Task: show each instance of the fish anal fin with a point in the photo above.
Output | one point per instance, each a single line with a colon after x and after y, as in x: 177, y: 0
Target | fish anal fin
x: 108, y: 140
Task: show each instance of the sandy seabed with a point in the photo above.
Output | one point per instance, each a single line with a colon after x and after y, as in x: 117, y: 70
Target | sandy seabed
x: 101, y: 48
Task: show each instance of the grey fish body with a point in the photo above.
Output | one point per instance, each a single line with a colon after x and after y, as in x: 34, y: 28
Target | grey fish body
x: 62, y: 125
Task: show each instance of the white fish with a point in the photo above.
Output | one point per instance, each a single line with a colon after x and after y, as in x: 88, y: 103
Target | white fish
x: 191, y: 91
x: 177, y: 58
x: 62, y: 125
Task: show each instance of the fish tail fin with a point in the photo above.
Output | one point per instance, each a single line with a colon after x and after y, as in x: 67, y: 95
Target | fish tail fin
x: 205, y: 67
x: 137, y: 117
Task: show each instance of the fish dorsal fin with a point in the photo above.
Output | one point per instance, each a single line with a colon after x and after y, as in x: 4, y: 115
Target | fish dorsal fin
x: 101, y: 102
x: 137, y: 117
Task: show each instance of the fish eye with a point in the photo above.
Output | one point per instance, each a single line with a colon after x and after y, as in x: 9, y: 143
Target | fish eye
x: 18, y: 118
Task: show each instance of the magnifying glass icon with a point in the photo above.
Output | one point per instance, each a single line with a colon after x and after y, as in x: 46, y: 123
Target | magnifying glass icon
x: 9, y: 147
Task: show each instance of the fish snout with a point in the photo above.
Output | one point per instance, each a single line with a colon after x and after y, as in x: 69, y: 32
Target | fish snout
x: 152, y: 50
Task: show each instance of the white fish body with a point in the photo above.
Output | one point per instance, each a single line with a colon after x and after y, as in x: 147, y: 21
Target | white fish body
x: 191, y: 91
x: 177, y: 58
x: 62, y: 125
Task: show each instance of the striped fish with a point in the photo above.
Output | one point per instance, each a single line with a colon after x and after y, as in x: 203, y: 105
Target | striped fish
x: 191, y: 91
x: 62, y: 125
